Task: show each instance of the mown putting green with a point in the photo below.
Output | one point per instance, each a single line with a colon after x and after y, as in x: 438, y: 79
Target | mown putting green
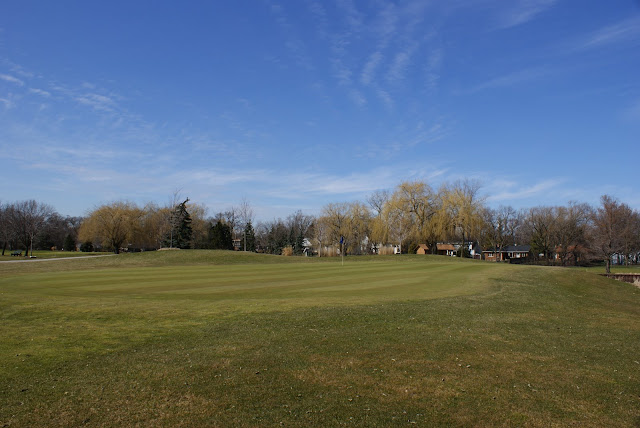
x: 212, y: 338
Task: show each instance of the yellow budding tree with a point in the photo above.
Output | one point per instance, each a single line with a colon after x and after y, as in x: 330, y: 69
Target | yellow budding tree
x: 112, y: 225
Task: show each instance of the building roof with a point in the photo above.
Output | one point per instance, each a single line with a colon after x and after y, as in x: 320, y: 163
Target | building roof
x: 517, y: 248
x: 448, y: 247
x: 510, y: 249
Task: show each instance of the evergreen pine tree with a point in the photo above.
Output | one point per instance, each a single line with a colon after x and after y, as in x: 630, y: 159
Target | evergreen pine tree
x: 250, y: 237
x: 181, y: 231
x: 220, y: 236
x: 69, y: 243
x: 185, y: 230
x: 299, y: 244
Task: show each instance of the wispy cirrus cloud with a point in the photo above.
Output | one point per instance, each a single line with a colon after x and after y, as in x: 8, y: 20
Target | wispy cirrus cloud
x: 434, y: 62
x: 627, y: 31
x: 320, y: 17
x: 385, y: 25
x: 341, y: 72
x: 97, y: 101
x: 370, y: 68
x: 512, y: 79
x: 40, y: 92
x: 293, y: 43
x: 351, y: 15
x: 401, y: 62
x: 522, y: 11
x: 516, y: 192
x: 11, y: 79
x: 357, y: 97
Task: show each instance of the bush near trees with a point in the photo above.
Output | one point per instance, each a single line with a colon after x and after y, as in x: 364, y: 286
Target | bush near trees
x: 412, y: 213
x: 87, y: 247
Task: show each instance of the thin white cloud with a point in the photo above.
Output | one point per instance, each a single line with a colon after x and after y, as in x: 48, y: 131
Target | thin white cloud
x: 320, y: 17
x: 522, y: 11
x: 401, y: 62
x: 357, y: 98
x: 512, y: 79
x: 369, y: 70
x: 341, y: 72
x: 386, y: 24
x: 537, y: 189
x: 221, y: 177
x: 624, y: 31
x: 40, y: 92
x: 298, y: 185
x: 11, y: 79
x: 356, y: 185
x: 351, y: 15
x: 294, y: 44
x: 385, y: 97
x: 97, y: 101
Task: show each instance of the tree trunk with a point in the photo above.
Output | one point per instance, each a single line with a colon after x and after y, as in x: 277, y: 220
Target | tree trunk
x: 607, y: 265
x: 4, y: 247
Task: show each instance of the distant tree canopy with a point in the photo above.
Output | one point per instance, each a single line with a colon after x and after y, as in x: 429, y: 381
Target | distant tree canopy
x: 274, y: 236
x: 113, y: 226
x: 411, y: 214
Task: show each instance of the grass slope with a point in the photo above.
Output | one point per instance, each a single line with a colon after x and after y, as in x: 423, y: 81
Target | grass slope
x: 212, y: 338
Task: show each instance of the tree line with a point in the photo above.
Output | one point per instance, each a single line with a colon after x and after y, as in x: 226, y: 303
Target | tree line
x: 411, y: 214
x: 31, y: 225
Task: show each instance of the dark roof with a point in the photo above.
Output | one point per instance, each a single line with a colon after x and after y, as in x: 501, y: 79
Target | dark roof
x: 517, y: 248
x: 510, y: 249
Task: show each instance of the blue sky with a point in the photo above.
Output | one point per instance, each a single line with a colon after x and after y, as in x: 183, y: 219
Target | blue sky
x: 294, y: 104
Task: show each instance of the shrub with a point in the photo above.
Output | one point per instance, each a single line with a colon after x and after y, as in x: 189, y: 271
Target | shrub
x: 328, y: 252
x: 86, y: 247
x: 287, y: 251
x: 385, y: 250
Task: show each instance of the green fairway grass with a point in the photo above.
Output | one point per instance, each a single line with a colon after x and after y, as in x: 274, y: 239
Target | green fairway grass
x: 216, y: 338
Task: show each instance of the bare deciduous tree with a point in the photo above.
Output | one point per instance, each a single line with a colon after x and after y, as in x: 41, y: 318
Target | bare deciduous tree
x: 29, y: 217
x: 610, y: 221
x: 245, y: 214
x: 7, y: 229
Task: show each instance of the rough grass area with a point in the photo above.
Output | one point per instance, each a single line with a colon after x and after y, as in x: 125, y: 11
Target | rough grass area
x: 230, y: 339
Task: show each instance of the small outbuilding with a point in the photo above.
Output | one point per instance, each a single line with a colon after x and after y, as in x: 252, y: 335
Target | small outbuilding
x: 422, y: 249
